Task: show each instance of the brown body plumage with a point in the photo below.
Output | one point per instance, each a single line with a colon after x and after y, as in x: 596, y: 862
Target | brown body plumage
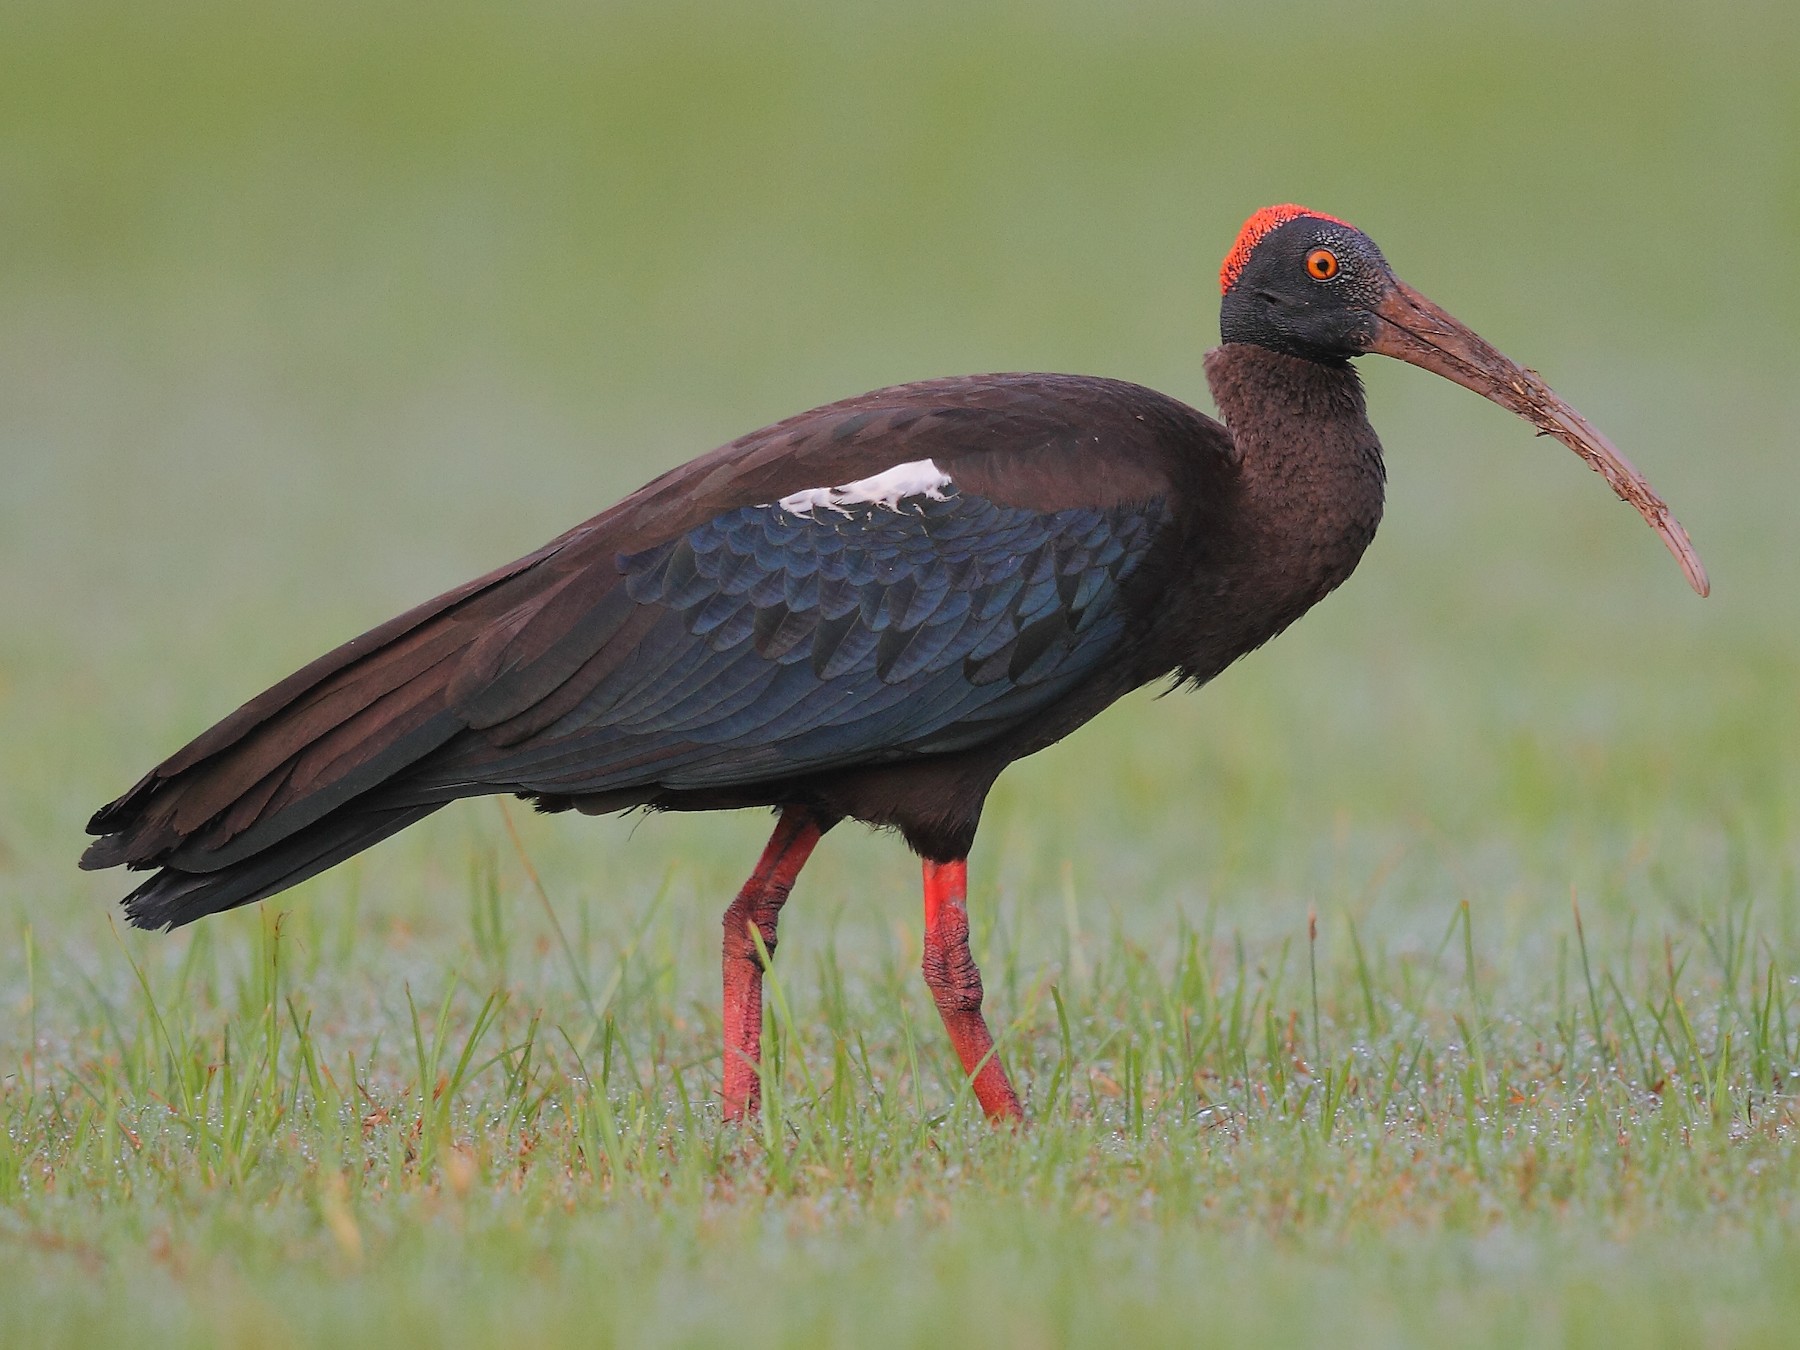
x: 1257, y: 526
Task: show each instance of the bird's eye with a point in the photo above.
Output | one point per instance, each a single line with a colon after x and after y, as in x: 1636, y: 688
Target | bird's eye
x: 1321, y: 264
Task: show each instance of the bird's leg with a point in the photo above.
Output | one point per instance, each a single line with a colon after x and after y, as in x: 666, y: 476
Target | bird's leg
x: 956, y: 985
x: 758, y: 906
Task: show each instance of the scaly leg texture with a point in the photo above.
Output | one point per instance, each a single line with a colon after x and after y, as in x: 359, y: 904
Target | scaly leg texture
x: 758, y: 906
x: 956, y: 985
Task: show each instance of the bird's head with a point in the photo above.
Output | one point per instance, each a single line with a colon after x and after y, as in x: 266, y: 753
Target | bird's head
x: 1309, y: 285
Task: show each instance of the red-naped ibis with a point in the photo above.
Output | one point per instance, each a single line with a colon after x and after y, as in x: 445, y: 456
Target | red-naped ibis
x: 864, y: 612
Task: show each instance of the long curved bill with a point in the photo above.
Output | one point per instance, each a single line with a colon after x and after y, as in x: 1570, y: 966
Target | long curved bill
x: 1414, y: 330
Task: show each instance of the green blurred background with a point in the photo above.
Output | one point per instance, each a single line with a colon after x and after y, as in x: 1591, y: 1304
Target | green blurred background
x: 311, y: 310
x: 308, y: 311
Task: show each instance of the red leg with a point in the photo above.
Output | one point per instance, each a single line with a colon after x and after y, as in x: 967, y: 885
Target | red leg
x: 956, y: 985
x: 758, y: 905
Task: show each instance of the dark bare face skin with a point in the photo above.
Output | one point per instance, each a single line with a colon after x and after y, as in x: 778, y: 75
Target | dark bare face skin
x: 1315, y: 287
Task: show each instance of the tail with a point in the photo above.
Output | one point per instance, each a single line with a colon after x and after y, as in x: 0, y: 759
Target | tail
x: 174, y: 897
x: 313, y: 770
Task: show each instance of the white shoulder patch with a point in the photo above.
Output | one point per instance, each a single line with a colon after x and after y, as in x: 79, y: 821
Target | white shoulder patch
x: 918, y: 478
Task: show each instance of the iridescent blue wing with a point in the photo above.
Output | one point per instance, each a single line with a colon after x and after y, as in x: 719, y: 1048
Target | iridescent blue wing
x: 767, y: 643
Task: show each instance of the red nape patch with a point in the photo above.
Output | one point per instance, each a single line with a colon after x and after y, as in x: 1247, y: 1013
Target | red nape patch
x: 1255, y: 229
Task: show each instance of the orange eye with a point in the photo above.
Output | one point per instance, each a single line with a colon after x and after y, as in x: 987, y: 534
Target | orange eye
x: 1321, y: 264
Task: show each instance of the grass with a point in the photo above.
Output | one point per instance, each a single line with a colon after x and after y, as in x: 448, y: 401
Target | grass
x: 305, y: 1125
x: 1431, y: 978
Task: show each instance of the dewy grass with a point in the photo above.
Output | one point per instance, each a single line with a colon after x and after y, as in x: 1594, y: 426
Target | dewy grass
x: 208, y: 1123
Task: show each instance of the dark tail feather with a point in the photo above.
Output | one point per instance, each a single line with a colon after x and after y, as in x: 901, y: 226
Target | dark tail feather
x: 172, y: 897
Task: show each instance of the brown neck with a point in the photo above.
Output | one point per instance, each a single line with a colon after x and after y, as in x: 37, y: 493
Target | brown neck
x: 1309, y: 494
x: 1311, y: 470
